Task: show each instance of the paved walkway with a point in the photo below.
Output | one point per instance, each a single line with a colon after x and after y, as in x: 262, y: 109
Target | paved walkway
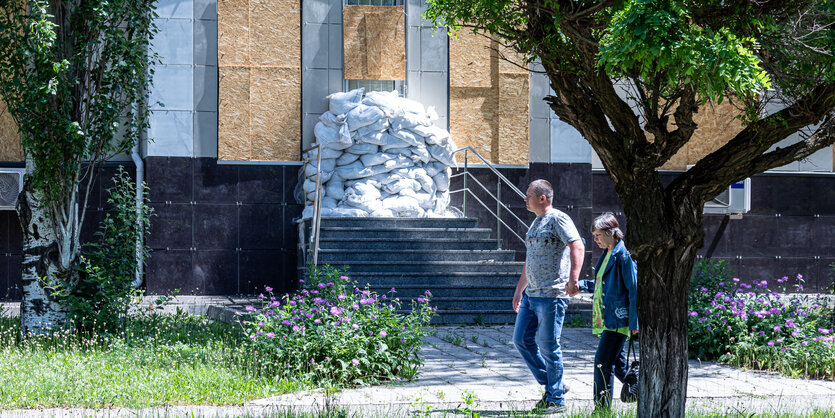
x: 477, y: 368
x: 480, y: 363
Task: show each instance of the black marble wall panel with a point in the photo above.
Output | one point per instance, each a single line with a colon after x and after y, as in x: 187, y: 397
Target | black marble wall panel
x: 233, y: 221
x: 787, y: 232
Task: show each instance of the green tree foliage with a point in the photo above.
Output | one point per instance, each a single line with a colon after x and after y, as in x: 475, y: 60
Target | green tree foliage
x: 75, y: 76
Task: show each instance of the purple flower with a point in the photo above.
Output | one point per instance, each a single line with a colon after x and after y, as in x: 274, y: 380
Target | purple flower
x: 330, y: 283
x: 252, y: 337
x: 301, y: 281
x: 779, y: 341
x: 321, y: 285
x: 355, y: 362
x: 268, y: 289
x: 317, y: 320
x: 392, y: 290
x: 771, y: 343
x: 721, y: 284
x: 735, y: 279
x: 355, y: 326
x: 270, y: 334
x: 355, y: 306
x: 343, y: 278
x: 693, y: 313
x: 336, y: 310
x: 383, y: 333
x: 804, y: 343
x: 776, y: 328
x: 341, y: 297
x: 427, y: 293
x: 421, y: 300
x: 250, y: 308
x: 260, y: 324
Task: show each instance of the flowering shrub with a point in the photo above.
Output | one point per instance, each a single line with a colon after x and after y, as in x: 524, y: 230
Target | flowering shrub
x: 749, y: 325
x: 332, y: 331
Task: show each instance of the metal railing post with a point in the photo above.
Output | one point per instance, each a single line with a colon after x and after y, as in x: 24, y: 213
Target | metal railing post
x: 499, y: 214
x: 466, y: 174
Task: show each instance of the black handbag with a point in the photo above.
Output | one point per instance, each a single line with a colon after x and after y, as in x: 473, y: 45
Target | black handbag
x: 629, y: 390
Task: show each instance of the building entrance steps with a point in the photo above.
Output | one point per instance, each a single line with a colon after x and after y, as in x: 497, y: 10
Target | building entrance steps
x: 471, y: 281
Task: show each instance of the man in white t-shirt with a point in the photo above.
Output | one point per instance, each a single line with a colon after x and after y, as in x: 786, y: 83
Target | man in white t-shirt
x: 549, y: 279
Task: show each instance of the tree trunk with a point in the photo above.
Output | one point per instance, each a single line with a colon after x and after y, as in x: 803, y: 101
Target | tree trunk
x: 40, y: 311
x: 663, y: 237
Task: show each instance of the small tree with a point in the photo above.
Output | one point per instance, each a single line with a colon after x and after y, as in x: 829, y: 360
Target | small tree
x: 74, y: 75
x: 629, y: 75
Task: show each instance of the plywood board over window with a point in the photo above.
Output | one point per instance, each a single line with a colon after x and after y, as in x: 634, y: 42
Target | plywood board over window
x: 489, y: 102
x: 717, y: 124
x: 374, y: 39
x: 10, y: 149
x: 259, y: 80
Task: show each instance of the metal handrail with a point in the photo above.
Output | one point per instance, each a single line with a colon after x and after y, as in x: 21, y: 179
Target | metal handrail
x: 499, y: 205
x: 317, y: 205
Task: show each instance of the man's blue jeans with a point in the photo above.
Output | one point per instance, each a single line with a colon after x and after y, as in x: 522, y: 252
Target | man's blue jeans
x: 537, y: 337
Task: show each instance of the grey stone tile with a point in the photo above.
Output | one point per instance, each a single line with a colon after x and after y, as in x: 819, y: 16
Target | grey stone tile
x: 315, y: 44
x: 205, y: 88
x: 205, y: 42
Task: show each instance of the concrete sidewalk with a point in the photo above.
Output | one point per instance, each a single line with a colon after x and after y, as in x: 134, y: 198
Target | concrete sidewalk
x: 480, y: 364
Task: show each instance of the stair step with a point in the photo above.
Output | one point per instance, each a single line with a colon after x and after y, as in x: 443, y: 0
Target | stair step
x: 430, y: 266
x: 412, y: 291
x: 399, y: 222
x: 457, y: 233
x: 407, y: 243
x: 350, y: 256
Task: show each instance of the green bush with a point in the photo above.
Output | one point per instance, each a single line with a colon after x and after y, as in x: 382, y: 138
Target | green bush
x: 747, y: 324
x: 332, y: 331
x: 101, y: 299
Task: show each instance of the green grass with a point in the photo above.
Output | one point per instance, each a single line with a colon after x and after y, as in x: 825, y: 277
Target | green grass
x: 157, y: 361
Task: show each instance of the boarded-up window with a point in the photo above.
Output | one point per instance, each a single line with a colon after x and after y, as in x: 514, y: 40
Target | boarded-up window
x: 374, y: 39
x: 10, y: 149
x: 488, y: 99
x: 259, y: 80
x: 717, y: 124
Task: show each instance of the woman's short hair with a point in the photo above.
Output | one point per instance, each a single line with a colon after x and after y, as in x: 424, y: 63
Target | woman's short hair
x: 608, y: 224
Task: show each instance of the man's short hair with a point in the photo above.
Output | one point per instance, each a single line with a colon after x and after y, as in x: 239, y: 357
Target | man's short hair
x: 543, y: 187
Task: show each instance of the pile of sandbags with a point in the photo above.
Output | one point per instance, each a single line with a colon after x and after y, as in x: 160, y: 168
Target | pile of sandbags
x: 381, y: 156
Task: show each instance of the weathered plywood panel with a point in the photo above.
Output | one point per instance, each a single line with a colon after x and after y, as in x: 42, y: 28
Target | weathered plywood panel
x: 717, y: 124
x: 514, y: 101
x: 276, y: 114
x: 374, y: 42
x: 233, y: 37
x: 470, y: 60
x: 275, y: 33
x: 233, y: 130
x: 473, y: 119
x: 10, y: 149
x: 511, y: 61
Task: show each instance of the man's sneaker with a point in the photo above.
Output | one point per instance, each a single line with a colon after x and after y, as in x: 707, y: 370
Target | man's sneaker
x: 548, y: 408
x: 542, y: 401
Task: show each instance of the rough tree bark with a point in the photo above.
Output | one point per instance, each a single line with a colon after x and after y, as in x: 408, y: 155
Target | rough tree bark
x: 40, y: 310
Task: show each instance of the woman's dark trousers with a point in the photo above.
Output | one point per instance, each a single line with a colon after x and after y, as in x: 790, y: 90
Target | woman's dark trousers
x: 609, y: 361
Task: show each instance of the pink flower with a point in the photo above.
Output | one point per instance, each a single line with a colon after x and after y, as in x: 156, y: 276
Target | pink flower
x: 268, y: 289
x: 355, y: 362
x: 250, y: 308
x: 383, y: 333
x: 270, y: 334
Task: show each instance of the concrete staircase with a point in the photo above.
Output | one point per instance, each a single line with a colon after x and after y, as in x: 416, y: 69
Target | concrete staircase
x: 470, y: 280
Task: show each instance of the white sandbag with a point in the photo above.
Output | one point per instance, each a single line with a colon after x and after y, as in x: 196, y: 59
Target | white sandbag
x: 382, y: 213
x: 427, y: 183
x: 362, y: 149
x: 353, y: 171
x: 425, y: 200
x: 420, y: 154
x: 326, y: 176
x: 397, y: 186
x: 408, y: 192
x: 378, y: 158
x: 368, y: 180
x: 406, y: 152
x: 309, y: 186
x: 441, y: 180
x: 366, y: 189
x: 434, y: 167
x: 327, y: 153
x: 335, y: 189
x: 378, y: 126
x: 398, y: 161
x: 408, y: 137
x: 331, y: 120
x: 341, y: 103
x: 310, y: 169
x: 346, y: 158
x: 403, y: 206
x: 388, y: 101
x: 367, y: 198
x: 431, y: 113
x: 411, y: 106
x: 363, y: 115
x: 348, y: 212
x: 327, y: 164
x: 332, y: 138
x: 307, y: 212
x: 441, y: 202
x: 409, y: 120
x: 329, y: 202
x: 376, y: 138
x: 392, y: 142
x: 442, y: 154
x: 432, y: 134
x: 385, y: 178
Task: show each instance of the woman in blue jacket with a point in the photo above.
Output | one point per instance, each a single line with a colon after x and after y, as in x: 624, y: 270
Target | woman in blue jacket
x: 614, y: 307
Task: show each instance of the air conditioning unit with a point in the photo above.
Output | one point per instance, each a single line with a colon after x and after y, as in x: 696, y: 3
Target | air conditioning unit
x: 735, y: 200
x: 11, y: 183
